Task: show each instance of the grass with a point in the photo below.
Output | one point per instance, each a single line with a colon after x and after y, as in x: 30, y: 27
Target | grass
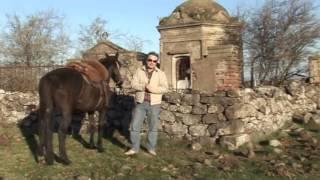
x: 175, y: 160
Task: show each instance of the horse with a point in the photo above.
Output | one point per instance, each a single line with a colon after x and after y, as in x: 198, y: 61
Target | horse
x: 75, y: 88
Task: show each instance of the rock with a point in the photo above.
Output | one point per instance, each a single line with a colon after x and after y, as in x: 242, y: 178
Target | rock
x: 196, y: 146
x: 275, y: 143
x: 82, y: 178
x: 167, y: 116
x: 207, y: 162
x: 199, y: 109
x: 277, y: 150
x: 198, y: 130
x: 239, y: 111
x: 233, y: 142
x: 176, y: 129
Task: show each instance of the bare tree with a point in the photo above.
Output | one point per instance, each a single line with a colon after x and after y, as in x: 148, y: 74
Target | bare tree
x: 35, y: 39
x: 91, y: 34
x: 97, y: 31
x: 131, y: 42
x: 279, y: 37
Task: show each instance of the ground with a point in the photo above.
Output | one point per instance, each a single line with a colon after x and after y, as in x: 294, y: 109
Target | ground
x: 297, y: 158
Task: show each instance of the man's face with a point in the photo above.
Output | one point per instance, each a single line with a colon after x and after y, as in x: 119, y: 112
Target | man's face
x: 152, y: 61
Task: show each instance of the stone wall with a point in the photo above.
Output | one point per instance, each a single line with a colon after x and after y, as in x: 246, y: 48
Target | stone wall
x: 235, y: 117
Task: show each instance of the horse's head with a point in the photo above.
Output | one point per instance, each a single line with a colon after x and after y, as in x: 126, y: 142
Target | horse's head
x: 113, y: 65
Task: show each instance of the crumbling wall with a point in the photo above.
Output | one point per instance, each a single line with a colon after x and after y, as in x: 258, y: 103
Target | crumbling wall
x: 235, y: 117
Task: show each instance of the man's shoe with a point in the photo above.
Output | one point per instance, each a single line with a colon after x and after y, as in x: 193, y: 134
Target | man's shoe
x: 152, y: 152
x: 130, y: 152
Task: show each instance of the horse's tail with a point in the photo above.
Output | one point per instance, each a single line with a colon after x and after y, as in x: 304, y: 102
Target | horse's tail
x: 46, y: 119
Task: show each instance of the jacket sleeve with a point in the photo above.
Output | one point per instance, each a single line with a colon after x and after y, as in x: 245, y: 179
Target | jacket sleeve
x: 162, y: 86
x: 137, y: 83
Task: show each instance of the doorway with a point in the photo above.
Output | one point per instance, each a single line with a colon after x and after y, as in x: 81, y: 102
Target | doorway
x: 181, y: 72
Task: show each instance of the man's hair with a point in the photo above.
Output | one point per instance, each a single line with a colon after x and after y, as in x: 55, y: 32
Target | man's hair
x: 152, y: 53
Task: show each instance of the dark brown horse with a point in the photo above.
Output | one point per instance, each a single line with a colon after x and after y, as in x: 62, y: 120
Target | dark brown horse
x: 66, y: 90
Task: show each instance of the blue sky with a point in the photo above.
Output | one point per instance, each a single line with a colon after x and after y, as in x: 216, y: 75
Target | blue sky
x: 136, y: 17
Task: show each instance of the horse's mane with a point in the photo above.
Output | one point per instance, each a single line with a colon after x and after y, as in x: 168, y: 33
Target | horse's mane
x: 94, y: 70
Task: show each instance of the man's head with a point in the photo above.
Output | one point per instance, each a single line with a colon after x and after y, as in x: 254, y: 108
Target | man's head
x: 152, y: 60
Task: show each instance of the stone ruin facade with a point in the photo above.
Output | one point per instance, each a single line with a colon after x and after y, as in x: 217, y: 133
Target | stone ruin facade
x: 201, y: 47
x: 314, y: 67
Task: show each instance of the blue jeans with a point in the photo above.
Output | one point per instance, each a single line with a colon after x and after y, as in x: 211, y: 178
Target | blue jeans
x: 139, y: 113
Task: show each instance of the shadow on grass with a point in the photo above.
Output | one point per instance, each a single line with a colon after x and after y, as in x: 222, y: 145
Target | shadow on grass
x: 29, y: 129
x: 119, y: 116
x: 29, y: 126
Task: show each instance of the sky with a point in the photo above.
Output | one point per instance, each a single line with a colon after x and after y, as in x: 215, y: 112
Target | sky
x: 135, y: 17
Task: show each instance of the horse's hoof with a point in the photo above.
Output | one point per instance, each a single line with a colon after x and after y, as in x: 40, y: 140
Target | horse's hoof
x: 41, y: 160
x: 100, y: 150
x: 49, y: 158
x: 92, y: 146
x: 49, y: 162
x: 65, y: 161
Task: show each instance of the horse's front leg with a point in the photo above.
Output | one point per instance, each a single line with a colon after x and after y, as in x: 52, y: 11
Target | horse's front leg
x: 63, y: 130
x: 102, y: 122
x: 91, y: 130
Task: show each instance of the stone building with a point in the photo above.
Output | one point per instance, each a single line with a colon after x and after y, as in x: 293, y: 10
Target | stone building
x: 200, y: 47
x: 314, y: 67
x: 130, y: 60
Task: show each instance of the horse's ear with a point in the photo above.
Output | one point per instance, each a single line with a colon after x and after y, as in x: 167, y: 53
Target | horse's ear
x: 117, y: 55
x: 107, y: 55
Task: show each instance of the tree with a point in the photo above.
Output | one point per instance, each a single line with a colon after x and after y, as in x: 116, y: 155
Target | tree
x: 131, y: 42
x: 97, y: 31
x: 90, y: 35
x: 279, y: 38
x: 36, y: 39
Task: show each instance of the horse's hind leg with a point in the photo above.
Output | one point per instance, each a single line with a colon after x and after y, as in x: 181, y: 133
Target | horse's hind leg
x: 45, y: 119
x: 49, y: 138
x: 62, y: 131
x: 41, y: 130
x: 45, y: 135
x: 102, y: 121
x: 91, y: 130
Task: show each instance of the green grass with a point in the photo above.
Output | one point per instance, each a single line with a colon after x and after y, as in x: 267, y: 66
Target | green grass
x: 175, y: 160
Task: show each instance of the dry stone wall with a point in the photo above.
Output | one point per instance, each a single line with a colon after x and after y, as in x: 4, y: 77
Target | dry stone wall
x: 234, y: 117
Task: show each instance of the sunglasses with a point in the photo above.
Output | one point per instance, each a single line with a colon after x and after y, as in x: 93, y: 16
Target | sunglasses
x: 154, y: 61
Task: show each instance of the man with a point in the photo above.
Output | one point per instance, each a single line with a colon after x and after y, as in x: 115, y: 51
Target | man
x: 150, y: 84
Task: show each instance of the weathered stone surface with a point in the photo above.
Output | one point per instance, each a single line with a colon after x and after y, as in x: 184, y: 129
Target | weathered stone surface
x: 234, y: 93
x: 199, y: 109
x: 275, y: 143
x: 224, y: 101
x: 176, y: 129
x: 188, y: 119
x: 167, y: 116
x: 190, y: 99
x: 233, y: 142
x: 239, y: 111
x: 213, y: 118
x: 173, y: 108
x: 173, y: 98
x: 212, y: 129
x: 215, y: 108
x: 185, y: 109
x: 198, y: 130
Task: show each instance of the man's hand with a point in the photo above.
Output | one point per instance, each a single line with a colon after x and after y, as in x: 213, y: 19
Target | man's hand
x: 147, y: 89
